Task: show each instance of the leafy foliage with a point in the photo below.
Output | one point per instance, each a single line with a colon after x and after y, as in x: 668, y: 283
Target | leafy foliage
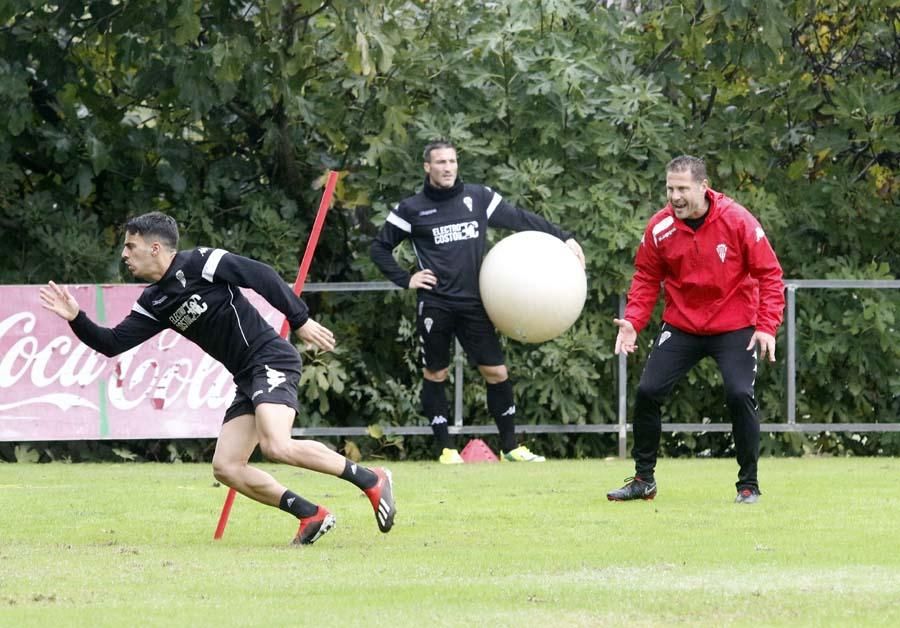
x: 228, y: 114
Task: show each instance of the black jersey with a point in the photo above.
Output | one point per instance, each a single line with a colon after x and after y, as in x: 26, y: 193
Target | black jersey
x: 199, y: 297
x: 448, y: 230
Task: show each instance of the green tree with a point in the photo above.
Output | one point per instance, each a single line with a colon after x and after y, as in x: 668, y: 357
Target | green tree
x: 228, y: 114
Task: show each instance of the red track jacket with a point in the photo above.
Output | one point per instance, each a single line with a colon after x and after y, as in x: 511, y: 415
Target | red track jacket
x: 723, y: 277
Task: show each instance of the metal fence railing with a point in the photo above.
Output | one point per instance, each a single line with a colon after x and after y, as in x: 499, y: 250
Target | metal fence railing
x: 622, y: 427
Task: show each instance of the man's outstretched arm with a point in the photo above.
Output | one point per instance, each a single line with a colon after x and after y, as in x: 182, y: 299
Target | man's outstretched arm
x: 134, y: 329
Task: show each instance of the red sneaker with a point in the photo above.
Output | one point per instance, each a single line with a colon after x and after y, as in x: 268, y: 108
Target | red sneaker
x: 312, y: 528
x: 382, y: 498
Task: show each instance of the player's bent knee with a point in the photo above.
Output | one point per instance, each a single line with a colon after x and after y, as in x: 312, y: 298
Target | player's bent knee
x: 494, y: 374
x: 738, y: 395
x: 224, y: 472
x: 436, y: 376
x: 275, y: 450
x: 646, y: 391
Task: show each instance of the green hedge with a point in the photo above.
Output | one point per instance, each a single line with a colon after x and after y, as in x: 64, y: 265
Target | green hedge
x: 228, y: 115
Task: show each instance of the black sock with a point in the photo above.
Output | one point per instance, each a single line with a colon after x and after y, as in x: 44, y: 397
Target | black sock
x: 503, y: 408
x: 359, y: 475
x: 297, y: 506
x: 436, y: 408
x: 441, y: 434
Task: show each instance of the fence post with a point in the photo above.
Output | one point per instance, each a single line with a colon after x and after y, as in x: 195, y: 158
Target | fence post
x: 791, y: 354
x: 458, y: 364
x: 623, y: 391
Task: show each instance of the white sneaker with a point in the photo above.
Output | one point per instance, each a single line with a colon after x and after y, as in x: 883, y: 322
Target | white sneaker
x: 520, y: 454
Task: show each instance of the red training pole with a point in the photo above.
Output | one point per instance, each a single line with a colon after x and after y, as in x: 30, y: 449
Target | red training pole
x: 319, y: 222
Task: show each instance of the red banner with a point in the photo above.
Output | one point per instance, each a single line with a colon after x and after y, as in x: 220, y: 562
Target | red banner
x: 52, y: 387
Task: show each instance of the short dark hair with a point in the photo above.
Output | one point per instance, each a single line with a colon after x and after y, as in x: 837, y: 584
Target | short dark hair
x: 434, y: 145
x: 687, y: 163
x: 157, y: 225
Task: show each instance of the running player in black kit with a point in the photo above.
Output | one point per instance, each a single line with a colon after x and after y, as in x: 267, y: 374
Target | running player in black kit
x: 197, y: 294
x: 447, y: 224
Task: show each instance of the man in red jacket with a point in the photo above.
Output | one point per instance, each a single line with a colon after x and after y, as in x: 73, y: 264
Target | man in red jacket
x: 724, y: 298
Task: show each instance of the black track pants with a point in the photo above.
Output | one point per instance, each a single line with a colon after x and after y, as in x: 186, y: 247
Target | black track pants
x: 674, y: 354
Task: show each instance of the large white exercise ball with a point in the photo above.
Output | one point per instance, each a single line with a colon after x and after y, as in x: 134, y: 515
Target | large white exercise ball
x: 532, y: 286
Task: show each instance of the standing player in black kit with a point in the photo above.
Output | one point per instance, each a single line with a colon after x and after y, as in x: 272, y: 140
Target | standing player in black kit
x: 447, y: 224
x: 196, y: 293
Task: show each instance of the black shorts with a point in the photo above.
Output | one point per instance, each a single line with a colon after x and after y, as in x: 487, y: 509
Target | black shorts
x: 272, y: 378
x: 470, y: 325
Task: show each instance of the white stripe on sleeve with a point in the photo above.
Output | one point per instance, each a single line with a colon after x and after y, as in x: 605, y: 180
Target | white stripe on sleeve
x: 209, y: 269
x: 494, y: 202
x: 137, y: 308
x: 398, y: 222
x: 661, y: 226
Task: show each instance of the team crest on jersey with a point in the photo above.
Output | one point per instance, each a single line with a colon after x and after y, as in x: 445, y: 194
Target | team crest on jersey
x: 428, y: 323
x: 467, y: 201
x: 760, y: 234
x: 203, y: 250
x: 722, y: 250
x: 180, y: 277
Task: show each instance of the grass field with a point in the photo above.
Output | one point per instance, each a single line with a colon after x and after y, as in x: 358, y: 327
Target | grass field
x: 490, y: 544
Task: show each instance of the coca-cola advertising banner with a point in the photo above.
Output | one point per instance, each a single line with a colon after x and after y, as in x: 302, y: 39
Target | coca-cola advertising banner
x: 53, y: 387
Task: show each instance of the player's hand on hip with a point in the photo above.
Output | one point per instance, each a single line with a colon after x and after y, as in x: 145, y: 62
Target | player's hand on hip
x: 59, y: 300
x: 315, y: 334
x: 573, y: 245
x: 766, y: 344
x: 423, y: 279
x: 626, y: 339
